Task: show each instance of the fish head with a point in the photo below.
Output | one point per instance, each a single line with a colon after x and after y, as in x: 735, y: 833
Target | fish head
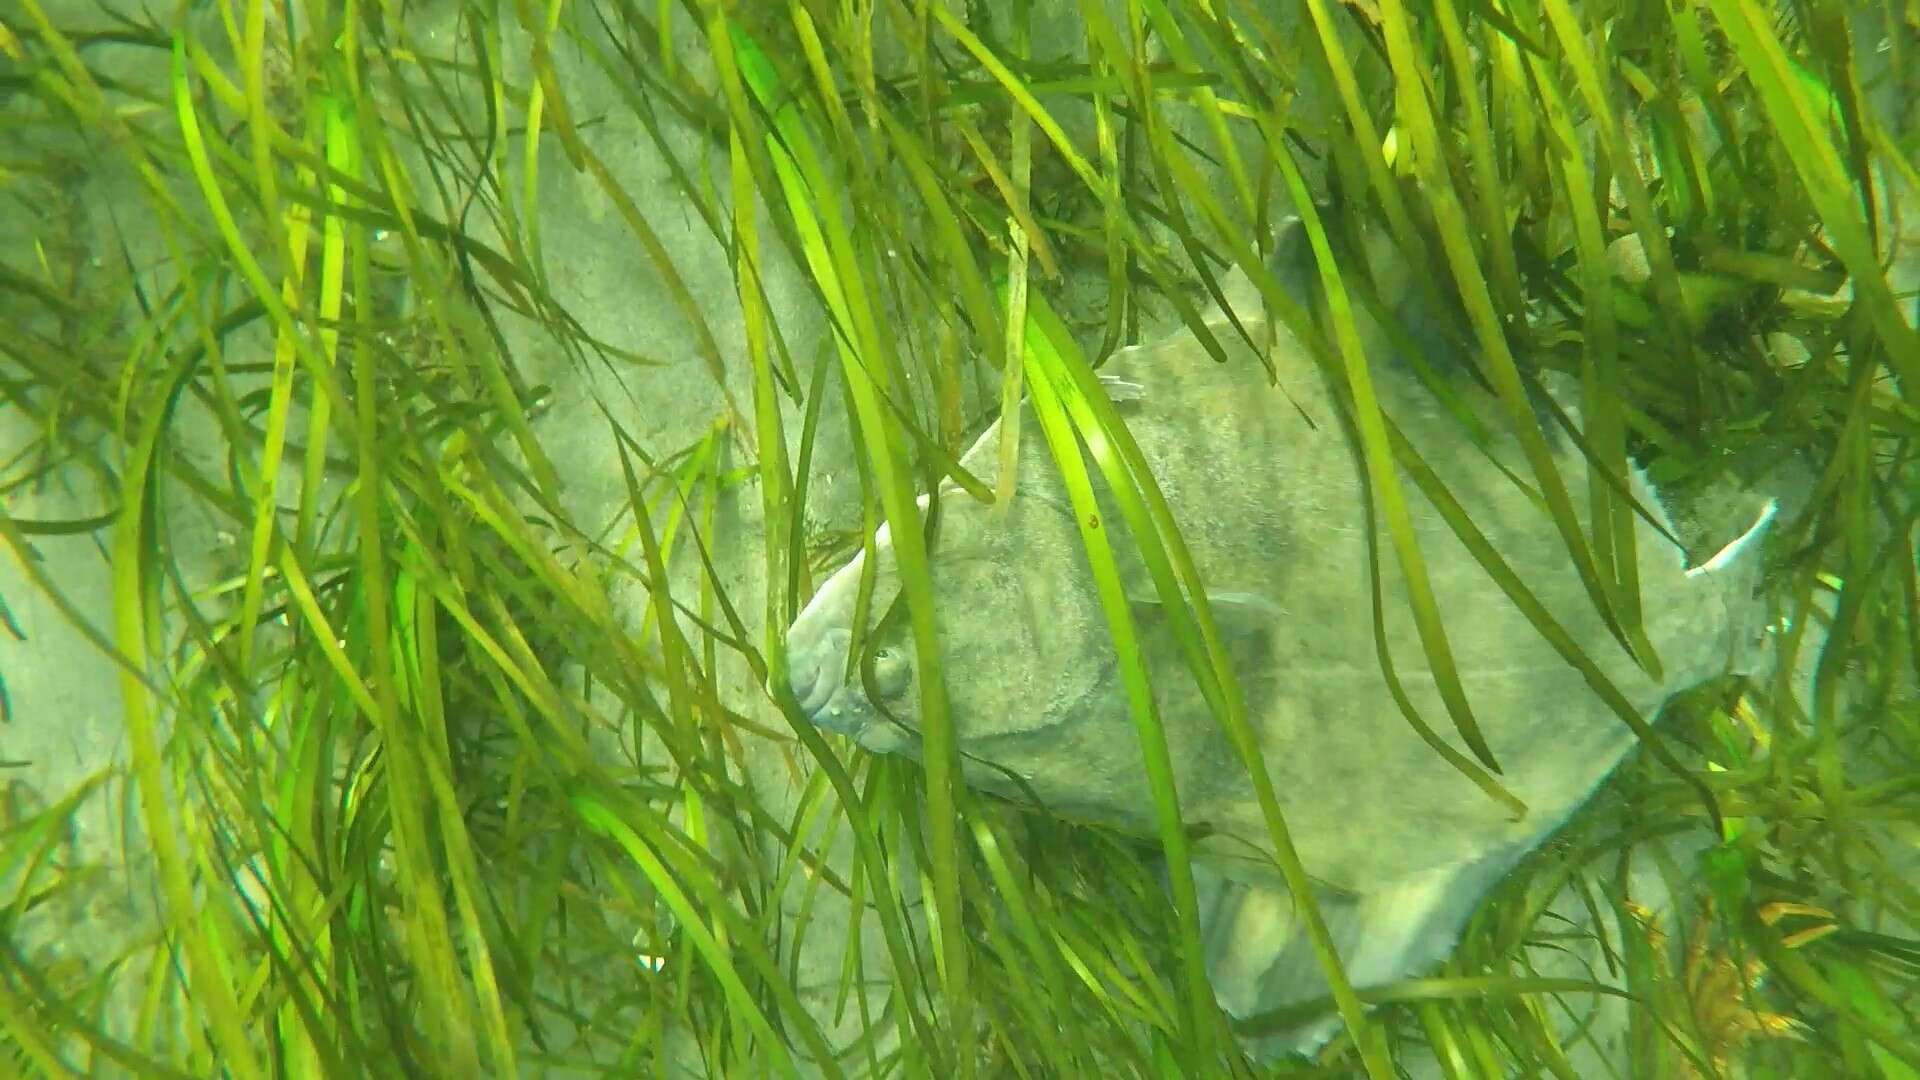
x: 1021, y: 642
x: 869, y: 696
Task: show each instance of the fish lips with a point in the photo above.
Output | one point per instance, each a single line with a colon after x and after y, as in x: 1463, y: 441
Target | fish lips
x: 816, y: 673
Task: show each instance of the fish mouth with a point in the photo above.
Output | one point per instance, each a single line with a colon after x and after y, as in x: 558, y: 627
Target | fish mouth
x: 813, y: 674
x: 817, y: 675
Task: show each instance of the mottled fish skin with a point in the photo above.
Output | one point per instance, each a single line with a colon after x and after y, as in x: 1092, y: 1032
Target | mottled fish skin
x: 1267, y: 490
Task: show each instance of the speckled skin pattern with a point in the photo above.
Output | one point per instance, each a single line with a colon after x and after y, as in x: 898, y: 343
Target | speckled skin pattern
x: 1268, y: 490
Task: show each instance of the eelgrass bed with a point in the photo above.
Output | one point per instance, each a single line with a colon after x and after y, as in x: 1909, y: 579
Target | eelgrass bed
x: 421, y: 425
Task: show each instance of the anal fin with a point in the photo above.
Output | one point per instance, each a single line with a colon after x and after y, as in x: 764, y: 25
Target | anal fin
x: 1260, y: 958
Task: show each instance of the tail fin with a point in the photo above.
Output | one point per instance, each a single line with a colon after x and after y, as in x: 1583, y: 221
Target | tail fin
x: 1736, y: 569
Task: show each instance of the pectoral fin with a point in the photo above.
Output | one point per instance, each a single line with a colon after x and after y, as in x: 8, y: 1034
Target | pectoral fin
x: 1234, y: 613
x: 1244, y: 621
x: 1742, y: 547
x: 1122, y: 391
x: 1242, y: 606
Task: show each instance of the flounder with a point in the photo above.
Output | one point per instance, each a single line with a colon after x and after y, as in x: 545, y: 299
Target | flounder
x: 1268, y: 491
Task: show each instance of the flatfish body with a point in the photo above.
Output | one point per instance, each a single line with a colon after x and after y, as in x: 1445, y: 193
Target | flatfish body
x: 1267, y: 487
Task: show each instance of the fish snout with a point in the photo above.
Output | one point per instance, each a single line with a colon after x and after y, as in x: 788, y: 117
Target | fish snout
x: 814, y: 672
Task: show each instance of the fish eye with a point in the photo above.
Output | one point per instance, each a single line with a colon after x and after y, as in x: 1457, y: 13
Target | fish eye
x: 891, y: 671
